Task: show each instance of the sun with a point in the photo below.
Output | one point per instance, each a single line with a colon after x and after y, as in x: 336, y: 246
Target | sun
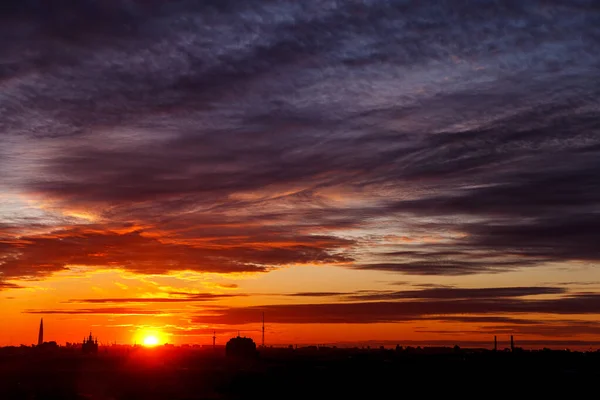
x: 150, y: 337
x: 150, y: 340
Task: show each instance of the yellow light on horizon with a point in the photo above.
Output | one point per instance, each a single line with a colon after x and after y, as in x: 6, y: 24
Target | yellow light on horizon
x: 150, y: 341
x: 150, y: 337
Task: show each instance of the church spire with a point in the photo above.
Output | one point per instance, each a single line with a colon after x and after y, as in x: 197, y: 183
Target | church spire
x: 41, y: 333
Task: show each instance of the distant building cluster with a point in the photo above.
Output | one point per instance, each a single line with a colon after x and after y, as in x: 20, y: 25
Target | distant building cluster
x: 245, y: 348
x: 89, y: 345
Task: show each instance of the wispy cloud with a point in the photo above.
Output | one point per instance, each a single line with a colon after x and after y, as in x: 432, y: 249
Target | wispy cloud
x: 181, y: 298
x: 449, y: 293
x: 106, y: 311
x: 9, y: 285
x: 459, y: 293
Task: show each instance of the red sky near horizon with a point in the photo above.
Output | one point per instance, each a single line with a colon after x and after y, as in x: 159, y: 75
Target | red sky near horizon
x: 357, y: 171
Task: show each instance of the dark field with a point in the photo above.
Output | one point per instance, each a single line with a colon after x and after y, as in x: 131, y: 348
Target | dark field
x: 174, y: 373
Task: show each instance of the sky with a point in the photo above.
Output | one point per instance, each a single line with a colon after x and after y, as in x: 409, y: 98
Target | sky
x: 372, y: 171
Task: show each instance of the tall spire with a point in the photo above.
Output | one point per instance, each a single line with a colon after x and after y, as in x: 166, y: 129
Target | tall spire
x: 41, y: 333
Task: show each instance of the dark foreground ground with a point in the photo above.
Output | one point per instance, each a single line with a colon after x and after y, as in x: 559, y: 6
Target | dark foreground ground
x: 174, y: 374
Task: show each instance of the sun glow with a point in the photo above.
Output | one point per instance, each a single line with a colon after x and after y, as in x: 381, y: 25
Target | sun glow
x: 150, y: 341
x: 150, y: 338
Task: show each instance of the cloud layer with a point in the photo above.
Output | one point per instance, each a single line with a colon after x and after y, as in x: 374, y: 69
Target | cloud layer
x: 426, y: 138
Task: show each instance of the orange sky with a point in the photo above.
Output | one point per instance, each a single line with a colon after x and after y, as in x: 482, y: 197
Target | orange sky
x: 355, y: 170
x: 66, y: 300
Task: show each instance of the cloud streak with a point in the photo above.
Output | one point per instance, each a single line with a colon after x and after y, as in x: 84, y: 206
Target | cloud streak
x: 402, y: 311
x: 197, y: 297
x: 9, y: 285
x: 99, y: 311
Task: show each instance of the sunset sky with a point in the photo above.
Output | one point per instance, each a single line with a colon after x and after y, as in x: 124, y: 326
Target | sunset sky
x: 358, y: 170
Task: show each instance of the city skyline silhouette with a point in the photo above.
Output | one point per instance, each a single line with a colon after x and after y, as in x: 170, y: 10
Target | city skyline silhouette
x: 351, y: 174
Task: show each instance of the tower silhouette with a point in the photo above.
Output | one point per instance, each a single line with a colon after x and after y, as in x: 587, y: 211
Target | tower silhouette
x: 263, y: 329
x: 214, y: 339
x: 495, y: 343
x: 89, y: 345
x: 41, y: 333
x: 512, y: 343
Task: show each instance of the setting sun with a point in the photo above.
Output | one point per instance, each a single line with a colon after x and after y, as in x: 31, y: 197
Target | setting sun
x: 150, y: 340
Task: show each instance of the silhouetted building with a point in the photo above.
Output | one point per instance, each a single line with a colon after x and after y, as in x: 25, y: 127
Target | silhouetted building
x: 241, y: 347
x: 48, y: 346
x: 90, y: 346
x: 41, y: 333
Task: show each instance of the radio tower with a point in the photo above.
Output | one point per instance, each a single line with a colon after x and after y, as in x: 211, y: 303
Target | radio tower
x: 214, y: 339
x: 263, y: 330
x: 41, y: 333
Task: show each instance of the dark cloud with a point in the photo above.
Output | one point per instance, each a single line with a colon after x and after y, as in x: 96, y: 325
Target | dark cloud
x: 501, y: 245
x: 201, y: 331
x: 228, y: 285
x: 449, y: 293
x: 106, y: 311
x: 460, y: 293
x: 183, y: 299
x: 419, y: 285
x: 470, y: 319
x: 445, y: 267
x: 39, y: 255
x: 9, y: 285
x: 318, y: 294
x: 387, y: 311
x: 240, y: 134
x: 575, y: 283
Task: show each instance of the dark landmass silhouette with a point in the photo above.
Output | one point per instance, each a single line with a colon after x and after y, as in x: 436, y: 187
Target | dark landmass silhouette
x: 194, y: 372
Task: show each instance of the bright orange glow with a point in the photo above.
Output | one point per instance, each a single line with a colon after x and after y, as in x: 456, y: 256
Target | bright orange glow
x: 150, y: 338
x: 154, y: 323
x: 150, y: 341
